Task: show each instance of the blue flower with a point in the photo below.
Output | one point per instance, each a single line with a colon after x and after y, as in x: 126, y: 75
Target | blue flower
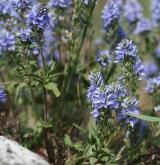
x: 121, y: 33
x: 128, y: 106
x: 22, y: 4
x: 38, y: 17
x: 125, y: 49
x: 6, y: 9
x: 150, y: 69
x: 143, y: 26
x: 132, y: 11
x: 106, y: 96
x: 119, y: 3
x: 7, y: 41
x: 96, y: 80
x: 59, y: 3
x: 155, y: 12
x: 110, y: 15
x: 138, y: 68
x: 95, y: 114
x: 25, y: 34
x: 157, y: 51
x: 104, y: 58
x: 3, y: 96
x: 151, y: 84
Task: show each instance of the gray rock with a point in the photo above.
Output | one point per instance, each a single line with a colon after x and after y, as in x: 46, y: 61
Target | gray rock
x: 11, y: 153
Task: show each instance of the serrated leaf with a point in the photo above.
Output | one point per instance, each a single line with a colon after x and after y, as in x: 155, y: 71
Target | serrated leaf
x: 53, y: 87
x: 146, y: 118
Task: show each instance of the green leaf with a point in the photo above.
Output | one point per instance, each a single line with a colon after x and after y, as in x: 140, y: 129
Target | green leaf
x: 78, y: 146
x: 92, y: 129
x: 53, y: 87
x: 146, y: 118
x: 79, y: 128
x: 68, y: 141
x: 52, y: 66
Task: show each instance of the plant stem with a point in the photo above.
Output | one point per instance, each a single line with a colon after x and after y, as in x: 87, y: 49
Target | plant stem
x: 45, y: 110
x: 47, y: 139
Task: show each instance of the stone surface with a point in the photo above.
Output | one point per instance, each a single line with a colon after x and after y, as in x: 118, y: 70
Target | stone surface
x: 11, y: 153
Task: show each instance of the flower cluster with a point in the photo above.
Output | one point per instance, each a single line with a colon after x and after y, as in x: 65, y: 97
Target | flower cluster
x: 96, y: 80
x: 3, y: 96
x: 119, y: 3
x: 7, y: 41
x: 152, y: 84
x: 143, y: 26
x: 155, y: 12
x: 129, y: 106
x: 150, y: 69
x: 22, y: 4
x: 25, y: 34
x: 60, y: 3
x: 127, y: 51
x: 38, y: 17
x: 6, y: 9
x: 111, y: 97
x: 104, y: 58
x: 132, y: 11
x: 110, y: 15
x: 138, y: 68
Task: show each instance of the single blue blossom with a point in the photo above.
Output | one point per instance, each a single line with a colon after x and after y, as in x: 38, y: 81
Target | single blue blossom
x: 104, y: 58
x: 95, y: 114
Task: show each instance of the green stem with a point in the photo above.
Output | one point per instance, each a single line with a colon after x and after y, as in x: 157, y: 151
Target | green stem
x: 49, y: 147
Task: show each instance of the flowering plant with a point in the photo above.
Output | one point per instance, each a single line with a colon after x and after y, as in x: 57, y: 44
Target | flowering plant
x: 57, y: 61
